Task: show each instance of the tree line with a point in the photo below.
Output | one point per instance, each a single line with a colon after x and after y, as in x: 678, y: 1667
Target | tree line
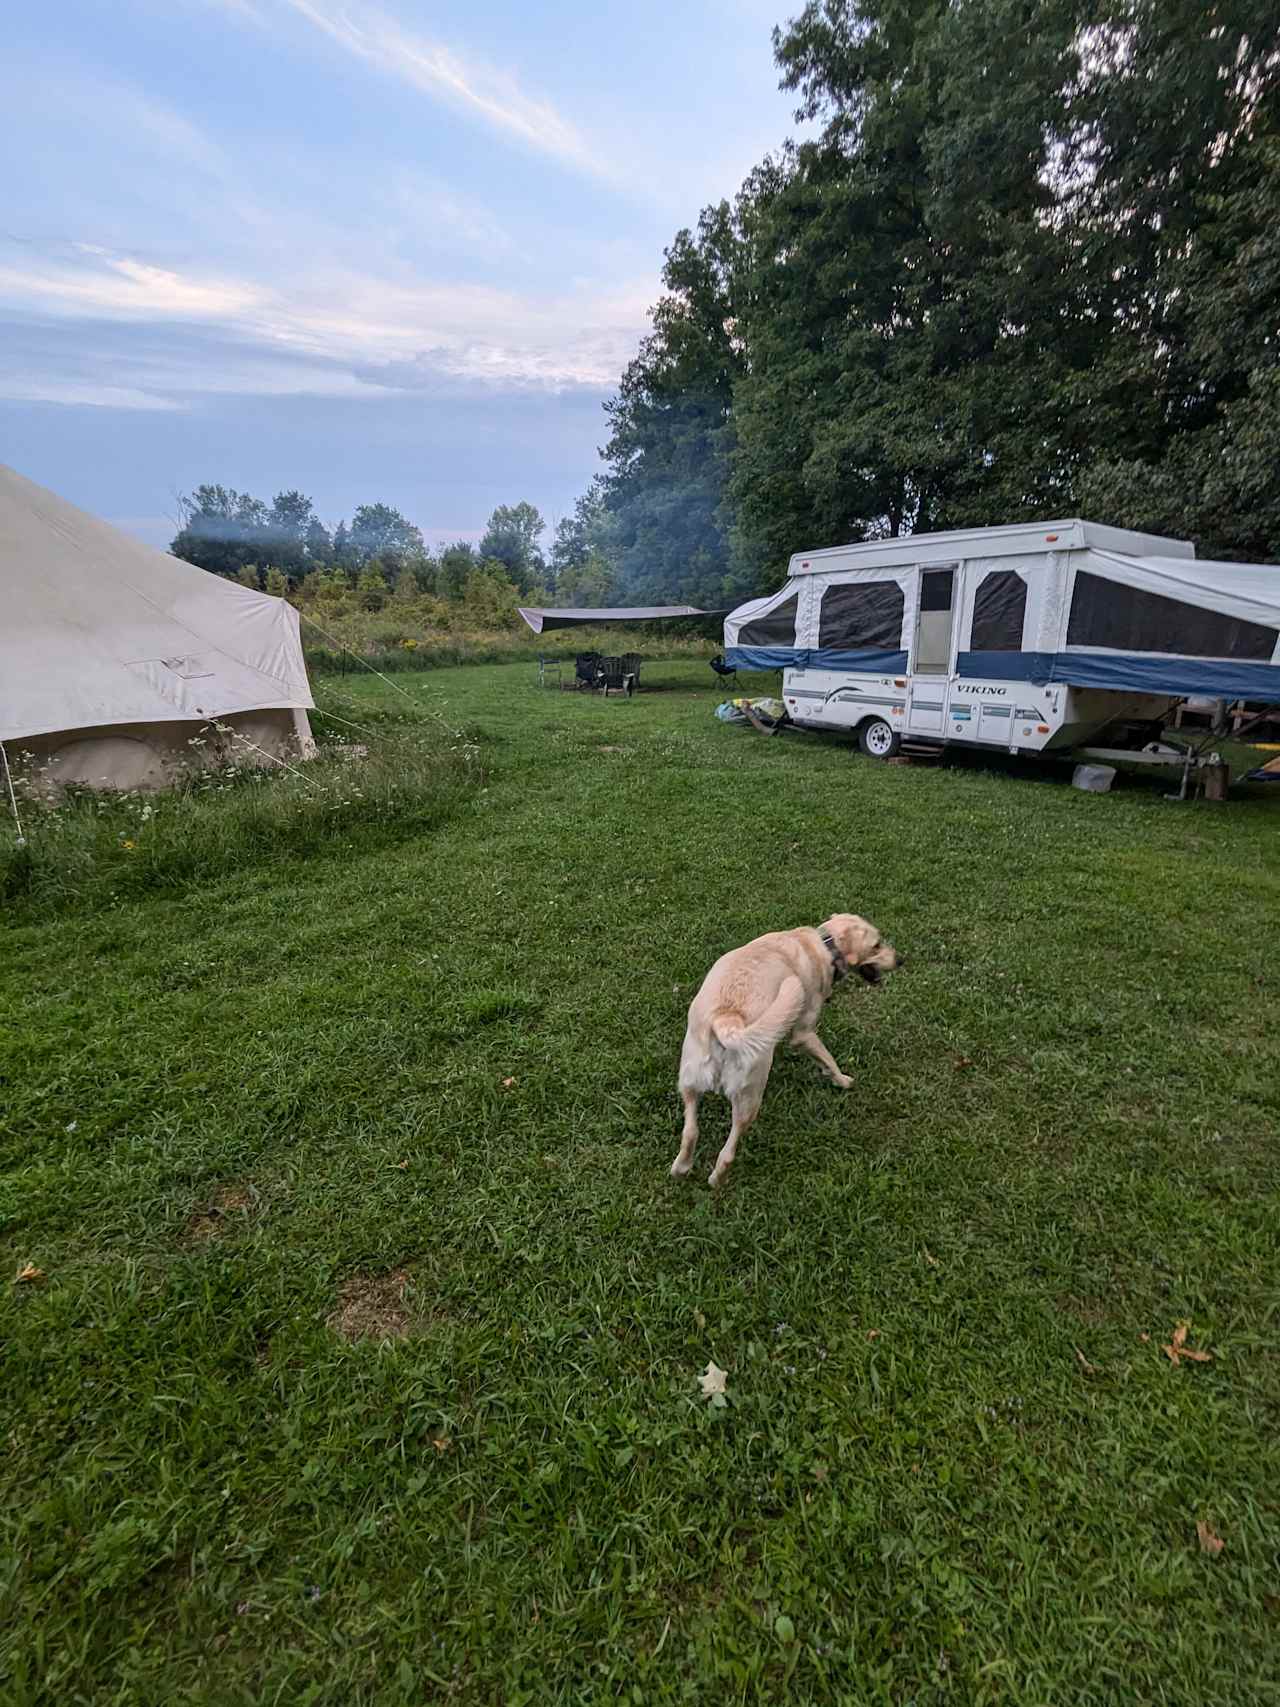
x: 283, y: 546
x: 1025, y: 263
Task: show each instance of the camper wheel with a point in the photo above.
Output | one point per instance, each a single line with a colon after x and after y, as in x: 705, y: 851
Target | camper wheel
x: 877, y: 740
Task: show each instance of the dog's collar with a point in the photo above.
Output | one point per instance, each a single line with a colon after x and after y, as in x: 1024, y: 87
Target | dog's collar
x: 839, y: 965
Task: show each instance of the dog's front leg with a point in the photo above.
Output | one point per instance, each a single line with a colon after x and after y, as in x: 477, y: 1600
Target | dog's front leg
x: 813, y: 1045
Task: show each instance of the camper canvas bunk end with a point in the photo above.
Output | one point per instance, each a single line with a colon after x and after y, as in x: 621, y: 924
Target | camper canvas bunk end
x: 1027, y: 638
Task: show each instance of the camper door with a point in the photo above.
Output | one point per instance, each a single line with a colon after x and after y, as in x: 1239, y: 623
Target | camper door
x: 933, y: 646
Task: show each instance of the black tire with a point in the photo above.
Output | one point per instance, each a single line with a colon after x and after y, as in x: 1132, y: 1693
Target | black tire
x: 877, y: 739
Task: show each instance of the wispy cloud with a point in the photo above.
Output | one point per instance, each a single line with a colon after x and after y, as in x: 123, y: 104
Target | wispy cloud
x: 340, y: 333
x: 120, y: 285
x: 486, y: 92
x: 40, y: 388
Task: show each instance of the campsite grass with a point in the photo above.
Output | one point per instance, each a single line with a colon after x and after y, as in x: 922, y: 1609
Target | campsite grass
x: 426, y: 1089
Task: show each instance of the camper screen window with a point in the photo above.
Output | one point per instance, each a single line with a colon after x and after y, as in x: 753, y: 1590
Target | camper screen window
x: 999, y: 607
x: 1128, y: 619
x: 774, y: 628
x: 935, y: 589
x: 861, y: 614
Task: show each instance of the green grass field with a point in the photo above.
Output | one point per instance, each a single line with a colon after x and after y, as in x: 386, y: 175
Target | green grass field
x: 419, y: 1081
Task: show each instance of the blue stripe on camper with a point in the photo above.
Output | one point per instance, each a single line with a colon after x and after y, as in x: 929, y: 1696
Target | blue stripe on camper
x: 1126, y: 672
x: 763, y: 657
x: 870, y: 661
x: 1007, y: 666
x: 1216, y: 678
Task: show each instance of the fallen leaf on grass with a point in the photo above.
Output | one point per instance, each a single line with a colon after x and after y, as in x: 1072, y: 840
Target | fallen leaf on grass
x: 442, y: 1443
x: 1089, y: 1368
x: 713, y: 1384
x: 29, y: 1274
x: 930, y: 1258
x: 1209, y: 1542
x: 1178, y: 1348
x: 962, y: 1063
x: 1145, y: 1338
x: 403, y: 1164
x: 873, y: 1333
x: 507, y: 1084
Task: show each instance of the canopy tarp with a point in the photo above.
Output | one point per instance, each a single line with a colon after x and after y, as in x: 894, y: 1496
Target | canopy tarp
x: 540, y: 620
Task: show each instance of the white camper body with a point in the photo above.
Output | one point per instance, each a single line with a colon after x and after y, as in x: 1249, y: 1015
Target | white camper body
x: 1023, y: 638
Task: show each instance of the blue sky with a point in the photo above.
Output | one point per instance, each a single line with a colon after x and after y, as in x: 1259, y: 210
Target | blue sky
x: 388, y: 252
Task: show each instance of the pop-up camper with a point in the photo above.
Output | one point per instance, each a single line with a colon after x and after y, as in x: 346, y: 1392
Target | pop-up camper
x: 1025, y: 638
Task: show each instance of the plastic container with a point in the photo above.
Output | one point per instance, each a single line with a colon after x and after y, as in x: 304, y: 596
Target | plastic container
x: 1093, y: 779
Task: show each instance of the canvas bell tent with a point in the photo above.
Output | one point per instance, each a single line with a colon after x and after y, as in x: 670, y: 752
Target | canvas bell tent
x: 115, y: 657
x: 1027, y: 638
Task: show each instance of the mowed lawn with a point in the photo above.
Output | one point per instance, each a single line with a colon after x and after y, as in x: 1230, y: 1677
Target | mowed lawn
x: 425, y: 1088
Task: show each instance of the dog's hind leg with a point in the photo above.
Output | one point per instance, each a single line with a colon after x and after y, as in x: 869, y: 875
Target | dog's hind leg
x: 813, y: 1044
x: 746, y: 1105
x: 689, y: 1137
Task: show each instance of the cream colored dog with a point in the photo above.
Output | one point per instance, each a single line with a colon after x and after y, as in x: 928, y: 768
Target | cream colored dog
x: 751, y: 1000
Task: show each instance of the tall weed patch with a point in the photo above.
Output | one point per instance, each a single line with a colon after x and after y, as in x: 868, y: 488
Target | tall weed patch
x: 397, y: 776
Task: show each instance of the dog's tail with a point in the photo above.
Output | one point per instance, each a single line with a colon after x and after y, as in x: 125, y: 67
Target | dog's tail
x: 733, y: 1032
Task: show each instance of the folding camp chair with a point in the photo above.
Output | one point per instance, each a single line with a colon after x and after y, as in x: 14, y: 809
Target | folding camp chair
x: 726, y: 672
x: 586, y: 669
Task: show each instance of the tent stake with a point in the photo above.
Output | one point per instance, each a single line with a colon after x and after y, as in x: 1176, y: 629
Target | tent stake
x: 13, y: 799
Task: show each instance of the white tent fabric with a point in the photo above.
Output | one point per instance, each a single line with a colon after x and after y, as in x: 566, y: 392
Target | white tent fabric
x: 99, y: 632
x: 99, y: 628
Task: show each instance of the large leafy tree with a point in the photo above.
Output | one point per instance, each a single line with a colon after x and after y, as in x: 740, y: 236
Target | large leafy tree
x: 380, y: 534
x: 456, y: 563
x: 912, y: 343
x: 1178, y: 125
x: 670, y: 429
x: 582, y: 558
x: 222, y: 530
x: 1025, y: 261
x: 511, y: 539
x: 225, y: 531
